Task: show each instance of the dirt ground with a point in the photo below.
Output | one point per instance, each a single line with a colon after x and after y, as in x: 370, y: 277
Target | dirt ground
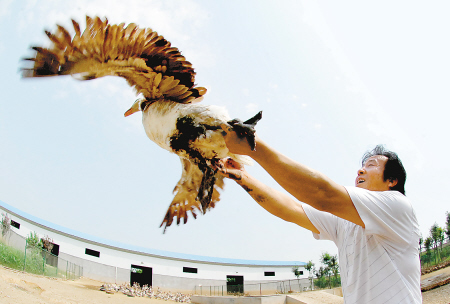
x: 17, y: 287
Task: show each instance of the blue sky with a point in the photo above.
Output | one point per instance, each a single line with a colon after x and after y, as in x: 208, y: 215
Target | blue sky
x: 332, y: 79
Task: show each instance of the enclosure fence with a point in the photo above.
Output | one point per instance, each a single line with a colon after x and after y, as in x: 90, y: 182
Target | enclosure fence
x: 262, y: 288
x: 18, y: 254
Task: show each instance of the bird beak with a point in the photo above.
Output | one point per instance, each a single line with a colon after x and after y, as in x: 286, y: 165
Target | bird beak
x: 136, y: 107
x: 130, y: 111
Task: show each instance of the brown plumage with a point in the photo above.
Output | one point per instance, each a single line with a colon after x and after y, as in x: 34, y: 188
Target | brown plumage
x: 146, y: 60
x: 172, y: 117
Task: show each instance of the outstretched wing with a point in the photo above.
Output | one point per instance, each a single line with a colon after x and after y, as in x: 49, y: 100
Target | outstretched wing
x: 186, y: 190
x: 146, y: 60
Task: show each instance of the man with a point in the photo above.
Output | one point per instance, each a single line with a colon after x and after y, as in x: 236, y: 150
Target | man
x: 372, y: 224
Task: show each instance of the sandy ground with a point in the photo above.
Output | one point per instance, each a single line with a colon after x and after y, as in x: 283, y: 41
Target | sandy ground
x: 17, y: 287
x: 22, y: 288
x: 318, y: 297
x: 439, y: 295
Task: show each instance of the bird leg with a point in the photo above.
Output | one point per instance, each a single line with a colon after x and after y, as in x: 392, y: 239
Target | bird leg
x: 207, y: 186
x: 246, y: 129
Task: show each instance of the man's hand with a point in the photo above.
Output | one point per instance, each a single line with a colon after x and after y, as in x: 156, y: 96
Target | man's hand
x: 231, y: 169
x: 236, y: 144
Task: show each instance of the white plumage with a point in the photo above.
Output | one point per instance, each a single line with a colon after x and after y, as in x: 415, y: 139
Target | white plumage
x: 171, y: 114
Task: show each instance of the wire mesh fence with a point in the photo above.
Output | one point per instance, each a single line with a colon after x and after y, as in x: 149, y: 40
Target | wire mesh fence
x: 251, y: 289
x: 40, y: 261
x: 36, y: 260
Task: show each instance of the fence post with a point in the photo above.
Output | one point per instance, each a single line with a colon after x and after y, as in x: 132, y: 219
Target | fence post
x: 25, y: 257
x: 260, y: 289
x: 43, y: 263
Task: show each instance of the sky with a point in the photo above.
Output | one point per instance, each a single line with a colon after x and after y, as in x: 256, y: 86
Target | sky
x: 332, y: 79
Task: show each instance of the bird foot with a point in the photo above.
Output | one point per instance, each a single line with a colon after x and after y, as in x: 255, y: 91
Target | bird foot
x: 246, y: 129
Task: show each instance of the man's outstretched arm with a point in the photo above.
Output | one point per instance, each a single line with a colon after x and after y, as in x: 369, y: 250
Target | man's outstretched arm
x: 275, y: 202
x: 305, y: 184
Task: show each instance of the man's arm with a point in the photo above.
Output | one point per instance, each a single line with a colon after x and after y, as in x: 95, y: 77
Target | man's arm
x: 275, y: 202
x: 305, y: 184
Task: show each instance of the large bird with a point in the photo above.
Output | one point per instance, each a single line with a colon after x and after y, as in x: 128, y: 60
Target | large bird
x: 171, y: 115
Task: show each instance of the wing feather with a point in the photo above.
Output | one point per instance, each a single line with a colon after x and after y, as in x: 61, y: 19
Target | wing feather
x: 145, y: 59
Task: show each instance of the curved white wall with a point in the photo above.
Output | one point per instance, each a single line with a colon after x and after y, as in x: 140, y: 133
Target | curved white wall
x: 115, y: 260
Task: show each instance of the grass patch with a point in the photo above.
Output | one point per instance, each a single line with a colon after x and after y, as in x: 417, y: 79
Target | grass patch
x: 35, y: 262
x: 11, y: 257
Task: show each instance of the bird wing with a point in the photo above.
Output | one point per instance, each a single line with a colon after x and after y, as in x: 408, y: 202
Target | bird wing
x: 145, y: 59
x: 186, y: 194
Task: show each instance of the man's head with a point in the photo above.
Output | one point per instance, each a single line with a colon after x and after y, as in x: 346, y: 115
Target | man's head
x: 381, y: 170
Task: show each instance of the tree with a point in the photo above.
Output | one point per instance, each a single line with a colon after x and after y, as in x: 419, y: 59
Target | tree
x: 435, y: 235
x: 320, y: 275
x: 333, y: 264
x: 428, y: 243
x: 420, y: 244
x: 6, y: 224
x: 310, y: 267
x: 297, y: 274
x: 441, y: 237
x: 325, y: 259
x: 33, y: 241
x: 447, y: 226
x: 320, y: 272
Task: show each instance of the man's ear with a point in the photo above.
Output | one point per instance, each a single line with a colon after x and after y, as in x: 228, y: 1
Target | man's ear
x: 392, y: 183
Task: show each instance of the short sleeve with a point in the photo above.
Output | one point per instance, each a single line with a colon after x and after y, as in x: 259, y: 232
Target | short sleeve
x: 387, y: 215
x: 325, y: 222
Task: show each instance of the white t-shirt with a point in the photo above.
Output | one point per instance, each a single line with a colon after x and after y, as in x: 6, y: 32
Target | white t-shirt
x: 379, y: 263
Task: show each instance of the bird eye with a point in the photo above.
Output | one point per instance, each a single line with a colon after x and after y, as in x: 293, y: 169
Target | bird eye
x: 143, y: 106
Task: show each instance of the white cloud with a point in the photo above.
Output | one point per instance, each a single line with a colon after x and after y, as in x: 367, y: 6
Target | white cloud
x: 167, y: 18
x: 4, y: 7
x: 273, y: 86
x: 251, y: 107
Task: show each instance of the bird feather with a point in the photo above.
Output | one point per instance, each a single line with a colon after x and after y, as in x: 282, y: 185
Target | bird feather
x: 172, y: 116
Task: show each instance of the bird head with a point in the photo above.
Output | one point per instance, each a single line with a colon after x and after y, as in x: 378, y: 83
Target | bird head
x: 136, y: 107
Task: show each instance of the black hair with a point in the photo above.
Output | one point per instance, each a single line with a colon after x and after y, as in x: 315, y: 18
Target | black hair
x: 393, y: 170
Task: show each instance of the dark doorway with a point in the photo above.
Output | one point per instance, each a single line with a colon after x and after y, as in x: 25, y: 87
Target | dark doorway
x: 235, y: 284
x: 141, y: 275
x: 55, y: 249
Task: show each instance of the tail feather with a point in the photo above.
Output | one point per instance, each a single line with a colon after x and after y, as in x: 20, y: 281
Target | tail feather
x: 186, y: 193
x: 206, y: 188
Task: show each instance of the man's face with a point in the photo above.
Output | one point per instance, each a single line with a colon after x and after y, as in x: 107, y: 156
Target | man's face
x: 370, y: 176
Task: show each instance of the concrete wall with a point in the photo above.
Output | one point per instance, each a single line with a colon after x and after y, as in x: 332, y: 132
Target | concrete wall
x: 276, y: 299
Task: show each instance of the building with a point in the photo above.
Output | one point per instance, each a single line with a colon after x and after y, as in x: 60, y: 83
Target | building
x: 111, y: 262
